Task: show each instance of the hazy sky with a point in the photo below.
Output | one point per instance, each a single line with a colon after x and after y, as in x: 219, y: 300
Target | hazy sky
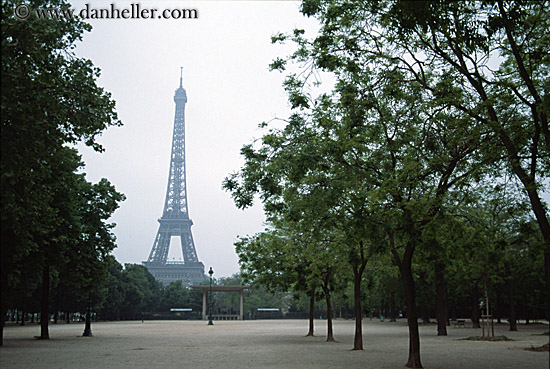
x: 225, y: 54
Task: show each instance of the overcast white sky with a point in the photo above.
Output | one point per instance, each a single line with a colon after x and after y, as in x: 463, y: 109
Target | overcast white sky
x: 225, y: 54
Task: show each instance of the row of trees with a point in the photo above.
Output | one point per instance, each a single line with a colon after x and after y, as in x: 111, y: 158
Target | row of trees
x: 54, y: 236
x: 133, y: 293
x: 122, y: 293
x: 430, y: 153
x: 130, y: 292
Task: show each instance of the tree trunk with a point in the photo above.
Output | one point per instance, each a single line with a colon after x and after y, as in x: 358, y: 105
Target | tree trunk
x: 311, y: 312
x: 441, y: 299
x: 3, y: 311
x: 405, y: 266
x: 544, y: 226
x: 475, y: 307
x: 412, y: 318
x: 425, y: 314
x: 453, y: 315
x: 88, y: 325
x: 326, y: 290
x: 497, y: 308
x: 393, y: 310
x: 357, y: 275
x: 358, y: 340
x: 511, y: 297
x: 44, y: 304
x: 330, y: 333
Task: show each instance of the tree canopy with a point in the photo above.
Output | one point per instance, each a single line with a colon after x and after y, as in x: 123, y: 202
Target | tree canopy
x: 50, y: 101
x: 432, y: 101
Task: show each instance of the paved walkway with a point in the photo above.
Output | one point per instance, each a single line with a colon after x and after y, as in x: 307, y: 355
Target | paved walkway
x: 262, y: 344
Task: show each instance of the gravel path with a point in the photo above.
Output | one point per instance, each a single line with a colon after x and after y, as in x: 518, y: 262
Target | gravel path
x: 262, y: 344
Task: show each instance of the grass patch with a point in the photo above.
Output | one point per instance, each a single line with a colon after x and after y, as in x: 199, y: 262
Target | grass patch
x: 490, y: 339
x: 542, y: 348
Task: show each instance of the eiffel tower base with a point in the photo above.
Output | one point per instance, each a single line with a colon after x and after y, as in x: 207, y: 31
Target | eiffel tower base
x: 188, y: 273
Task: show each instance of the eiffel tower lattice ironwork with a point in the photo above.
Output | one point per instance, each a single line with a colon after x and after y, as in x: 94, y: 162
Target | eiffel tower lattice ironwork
x: 175, y: 219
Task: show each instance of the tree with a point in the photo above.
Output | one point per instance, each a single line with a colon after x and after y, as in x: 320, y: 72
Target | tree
x: 114, y: 296
x: 174, y: 295
x: 441, y: 48
x: 88, y: 254
x: 384, y: 286
x: 77, y: 240
x: 374, y: 139
x: 493, y: 56
x: 49, y: 99
x: 55, y: 237
x: 142, y: 292
x: 276, y: 259
x: 268, y: 258
x: 508, y: 235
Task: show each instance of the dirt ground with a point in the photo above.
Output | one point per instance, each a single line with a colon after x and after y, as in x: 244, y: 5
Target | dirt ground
x: 263, y: 344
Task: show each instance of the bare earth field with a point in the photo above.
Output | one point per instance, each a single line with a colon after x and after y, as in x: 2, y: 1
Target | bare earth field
x: 263, y: 344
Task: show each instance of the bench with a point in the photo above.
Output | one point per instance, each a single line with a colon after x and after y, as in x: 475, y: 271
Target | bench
x: 225, y: 317
x: 460, y: 323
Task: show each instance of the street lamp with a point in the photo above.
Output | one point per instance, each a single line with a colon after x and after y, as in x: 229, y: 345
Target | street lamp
x: 88, y: 325
x: 210, y: 299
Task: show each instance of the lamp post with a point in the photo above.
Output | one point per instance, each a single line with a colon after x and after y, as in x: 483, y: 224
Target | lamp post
x: 210, y: 299
x: 88, y: 326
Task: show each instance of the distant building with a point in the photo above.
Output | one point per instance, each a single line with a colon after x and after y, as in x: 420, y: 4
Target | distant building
x: 175, y: 219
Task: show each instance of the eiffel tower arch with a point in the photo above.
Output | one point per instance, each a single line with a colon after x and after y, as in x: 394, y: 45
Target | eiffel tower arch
x: 175, y: 221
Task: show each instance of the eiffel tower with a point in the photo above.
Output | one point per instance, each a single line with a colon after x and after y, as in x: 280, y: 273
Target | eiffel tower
x: 175, y: 219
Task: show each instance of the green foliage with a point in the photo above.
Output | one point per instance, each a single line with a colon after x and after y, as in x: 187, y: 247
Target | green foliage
x: 52, y: 219
x: 49, y: 98
x: 142, y: 290
x: 432, y: 102
x: 267, y: 259
x: 115, y: 292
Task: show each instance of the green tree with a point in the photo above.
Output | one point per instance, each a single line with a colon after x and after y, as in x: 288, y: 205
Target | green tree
x: 412, y: 39
x: 142, y: 292
x: 173, y: 296
x: 276, y: 259
x: 86, y: 260
x: 266, y: 259
x: 507, y: 226
x: 114, y: 295
x: 49, y: 98
x: 74, y: 246
x: 487, y: 59
x: 384, y: 287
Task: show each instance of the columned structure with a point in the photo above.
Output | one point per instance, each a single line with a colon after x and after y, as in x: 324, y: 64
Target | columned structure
x: 205, y: 296
x: 175, y: 219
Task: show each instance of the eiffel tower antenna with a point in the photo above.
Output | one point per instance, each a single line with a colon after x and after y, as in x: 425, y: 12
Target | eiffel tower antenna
x: 175, y: 221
